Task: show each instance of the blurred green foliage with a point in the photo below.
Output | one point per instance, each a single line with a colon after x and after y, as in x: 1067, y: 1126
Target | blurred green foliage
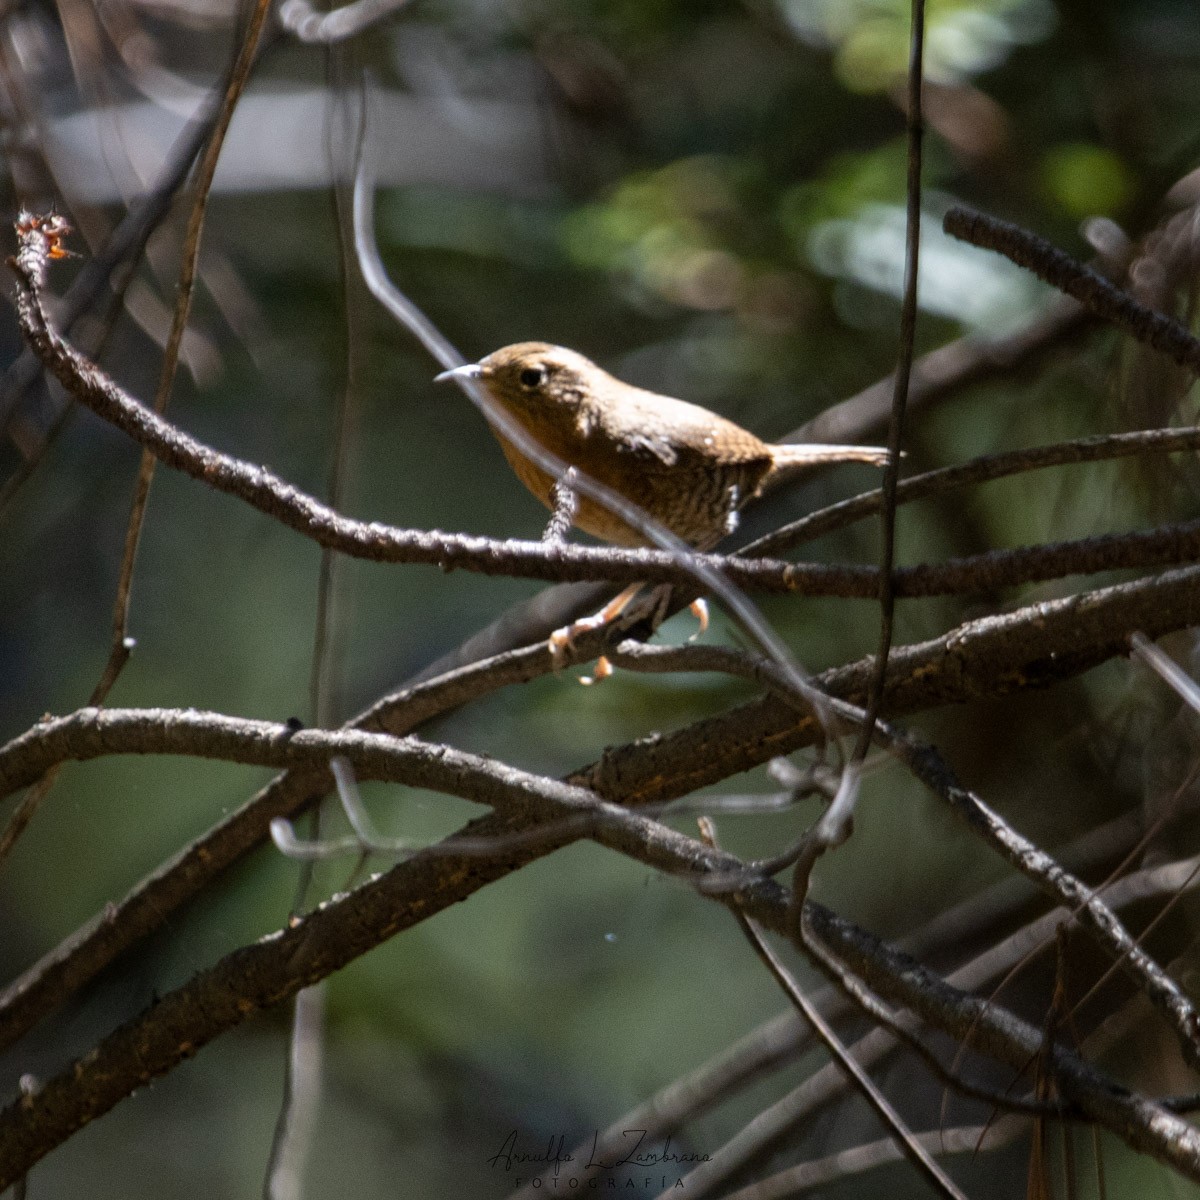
x: 720, y: 216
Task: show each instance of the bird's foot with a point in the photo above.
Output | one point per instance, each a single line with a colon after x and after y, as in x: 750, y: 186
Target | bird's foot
x: 562, y: 641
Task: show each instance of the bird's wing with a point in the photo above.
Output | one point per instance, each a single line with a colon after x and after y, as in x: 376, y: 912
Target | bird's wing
x: 666, y: 433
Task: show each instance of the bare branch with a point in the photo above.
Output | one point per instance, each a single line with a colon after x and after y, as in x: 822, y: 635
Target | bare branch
x: 914, y: 130
x: 902, y: 1137
x: 993, y: 656
x: 99, y: 732
x: 1089, y: 287
x: 1094, y: 914
x: 239, y: 74
x: 773, y: 1127
x: 265, y: 491
x: 948, y: 370
x: 45, y: 985
x: 1031, y: 647
x: 269, y: 971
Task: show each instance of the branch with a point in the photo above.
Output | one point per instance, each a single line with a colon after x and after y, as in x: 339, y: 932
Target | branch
x: 121, y: 644
x: 843, y: 1165
x: 902, y: 1138
x: 79, y: 957
x: 993, y: 656
x: 780, y: 1041
x: 947, y: 370
x: 124, y: 244
x: 1090, y: 288
x: 1089, y: 909
x: 265, y: 491
x: 888, y: 582
x: 995, y: 569
x: 101, y: 732
x: 271, y: 970
x: 784, y: 1121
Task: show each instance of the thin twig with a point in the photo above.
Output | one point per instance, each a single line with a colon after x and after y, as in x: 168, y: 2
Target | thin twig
x: 1094, y: 914
x: 886, y: 1022
x: 908, y: 327
x: 239, y: 73
x: 902, y: 1136
x: 1096, y: 448
x: 856, y: 1160
x: 1167, y: 669
x: 302, y: 1087
x: 292, y: 1136
x: 836, y: 823
x: 122, y: 644
x: 124, y: 245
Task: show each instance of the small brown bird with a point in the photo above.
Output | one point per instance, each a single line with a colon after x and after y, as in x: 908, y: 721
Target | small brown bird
x: 689, y: 468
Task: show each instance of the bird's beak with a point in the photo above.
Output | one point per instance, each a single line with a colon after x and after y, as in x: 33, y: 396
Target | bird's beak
x: 466, y: 371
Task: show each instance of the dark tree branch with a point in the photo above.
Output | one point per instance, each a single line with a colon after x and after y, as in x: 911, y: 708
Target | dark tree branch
x: 266, y: 492
x: 46, y: 984
x: 1085, y: 904
x: 1089, y: 287
x: 947, y: 371
x: 902, y: 1137
x: 992, y: 656
x: 1031, y: 647
x: 239, y: 74
x: 271, y: 970
x: 101, y: 732
x: 891, y: 471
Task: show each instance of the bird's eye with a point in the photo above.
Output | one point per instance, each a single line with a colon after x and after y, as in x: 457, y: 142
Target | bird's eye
x: 531, y: 377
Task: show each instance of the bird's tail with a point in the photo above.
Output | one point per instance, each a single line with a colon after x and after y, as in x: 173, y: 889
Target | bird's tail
x: 796, y: 457
x: 790, y: 461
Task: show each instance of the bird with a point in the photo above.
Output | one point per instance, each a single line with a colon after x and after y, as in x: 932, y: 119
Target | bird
x: 688, y: 468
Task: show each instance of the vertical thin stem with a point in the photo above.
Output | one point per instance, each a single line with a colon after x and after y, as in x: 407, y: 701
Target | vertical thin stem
x: 239, y: 73
x: 908, y: 325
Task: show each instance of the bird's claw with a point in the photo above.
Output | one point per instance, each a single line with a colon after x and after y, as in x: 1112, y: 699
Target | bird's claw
x: 602, y: 670
x: 561, y: 642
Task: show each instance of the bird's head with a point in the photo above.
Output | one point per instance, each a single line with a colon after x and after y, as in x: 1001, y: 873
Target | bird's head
x: 533, y: 377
